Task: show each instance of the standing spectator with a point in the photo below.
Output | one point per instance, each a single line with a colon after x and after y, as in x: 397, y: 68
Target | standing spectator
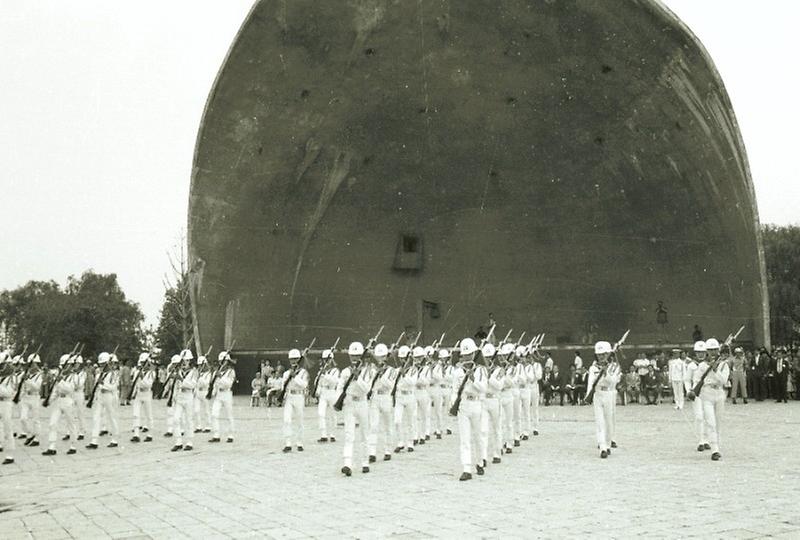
x: 578, y: 362
x: 548, y: 363
x: 163, y: 374
x: 569, y: 387
x: 642, y: 365
x: 676, y: 374
x: 256, y: 384
x: 796, y: 375
x: 738, y: 375
x: 758, y: 368
x: 125, y: 383
x: 782, y: 367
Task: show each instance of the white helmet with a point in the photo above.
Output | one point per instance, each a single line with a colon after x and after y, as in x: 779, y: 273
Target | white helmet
x: 444, y: 354
x: 63, y: 360
x: 103, y: 358
x: 18, y: 359
x: 78, y: 359
x: 223, y: 355
x: 114, y: 358
x: 327, y: 353
x: 418, y: 352
x: 176, y: 359
x: 467, y: 346
x: 602, y: 347
x: 143, y: 357
x: 521, y: 351
x: 488, y: 350
x: 186, y: 354
x: 712, y: 344
x: 294, y: 354
x: 201, y: 360
x: 355, y: 349
x: 34, y: 358
x: 403, y: 351
x: 699, y: 346
x: 429, y: 350
x: 507, y: 349
x: 381, y: 350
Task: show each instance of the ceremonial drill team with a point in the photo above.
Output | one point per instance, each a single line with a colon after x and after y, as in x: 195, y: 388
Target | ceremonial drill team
x: 393, y: 398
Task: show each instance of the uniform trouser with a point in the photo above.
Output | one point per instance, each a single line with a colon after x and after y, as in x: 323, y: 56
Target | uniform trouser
x: 170, y: 412
x: 713, y: 406
x: 355, y: 412
x: 469, y: 426
x: 738, y: 381
x: 422, y: 426
x: 184, y: 421
x: 507, y: 418
x: 516, y: 425
x: 142, y: 402
x: 107, y: 403
x: 8, y: 431
x: 603, y: 417
x: 699, y: 421
x: 535, y: 406
x: 63, y: 406
x: 381, y: 423
x: 613, y: 431
x: 224, y: 400
x: 677, y: 392
x: 525, y: 410
x: 405, y: 412
x: 438, y: 415
x: 202, y: 410
x: 78, y: 400
x: 29, y: 415
x: 491, y: 435
x: 293, y: 406
x: 325, y: 411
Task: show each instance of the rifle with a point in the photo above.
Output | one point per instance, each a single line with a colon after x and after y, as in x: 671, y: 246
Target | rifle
x: 457, y: 402
x: 382, y: 371
x: 100, y: 378
x: 214, y: 377
x: 590, y: 395
x: 712, y: 367
x: 18, y: 393
x: 321, y: 369
x: 340, y: 400
x: 505, y: 339
x: 282, y: 395
x: 72, y: 354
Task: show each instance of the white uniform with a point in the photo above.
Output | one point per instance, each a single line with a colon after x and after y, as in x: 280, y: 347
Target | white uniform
x: 691, y: 377
x: 604, y: 401
x: 470, y: 411
x: 491, y: 429
x: 507, y: 407
x: 63, y: 404
x: 517, y: 379
x: 294, y: 403
x: 355, y: 412
x: 381, y: 413
x: 184, y: 406
x: 535, y: 395
x: 439, y: 390
x: 30, y: 404
x: 326, y: 388
x: 8, y: 387
x: 527, y: 379
x: 713, y: 396
x: 79, y: 401
x: 676, y: 376
x: 223, y: 398
x: 423, y: 396
x: 202, y: 406
x: 106, y: 402
x: 143, y: 400
x: 405, y: 409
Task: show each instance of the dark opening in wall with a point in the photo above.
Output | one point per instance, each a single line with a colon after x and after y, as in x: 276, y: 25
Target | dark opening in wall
x: 408, y: 253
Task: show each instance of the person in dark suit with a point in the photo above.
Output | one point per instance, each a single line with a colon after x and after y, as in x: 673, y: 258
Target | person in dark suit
x: 651, y: 387
x: 758, y: 368
x: 781, y: 375
x: 558, y: 384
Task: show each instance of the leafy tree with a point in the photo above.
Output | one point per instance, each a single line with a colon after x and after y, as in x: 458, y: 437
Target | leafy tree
x: 782, y: 254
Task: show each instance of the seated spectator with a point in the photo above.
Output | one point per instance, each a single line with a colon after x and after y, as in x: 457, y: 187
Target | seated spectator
x: 632, y: 386
x: 664, y: 386
x: 651, y: 387
x: 552, y: 385
x: 569, y: 387
x: 256, y: 384
x: 275, y: 387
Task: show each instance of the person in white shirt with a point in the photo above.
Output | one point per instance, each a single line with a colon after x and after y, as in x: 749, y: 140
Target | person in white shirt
x: 491, y: 428
x: 295, y: 382
x: 222, y: 394
x: 578, y: 362
x: 30, y: 401
x: 439, y: 390
x: 381, y: 411
x: 712, y: 393
x: 185, y: 384
x: 535, y: 374
x: 603, y: 378
x: 143, y: 377
x: 105, y: 401
x: 326, y: 390
x: 676, y: 376
x: 405, y: 402
x: 422, y: 395
x: 202, y: 406
x: 62, y: 401
x: 354, y: 384
x: 8, y: 387
x: 470, y: 383
x: 691, y: 377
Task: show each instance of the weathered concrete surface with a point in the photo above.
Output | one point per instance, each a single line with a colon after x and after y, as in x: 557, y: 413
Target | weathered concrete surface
x: 565, y: 164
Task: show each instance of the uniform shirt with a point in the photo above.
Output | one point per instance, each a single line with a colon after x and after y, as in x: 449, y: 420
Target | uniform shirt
x: 189, y: 380
x: 717, y: 377
x: 225, y: 380
x: 330, y: 378
x: 474, y: 388
x: 437, y: 374
x: 424, y: 377
x: 79, y: 381
x: 509, y: 378
x: 65, y: 386
x: 737, y: 364
x: 8, y: 386
x: 109, y: 381
x: 676, y: 367
x: 359, y: 386
x: 298, y: 382
x: 32, y: 384
x: 691, y: 374
x: 203, y: 380
x: 385, y: 381
x: 146, y: 380
x: 607, y: 382
x: 408, y: 380
x: 496, y: 381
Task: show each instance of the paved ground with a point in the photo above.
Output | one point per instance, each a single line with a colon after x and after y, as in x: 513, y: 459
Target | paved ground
x: 655, y: 485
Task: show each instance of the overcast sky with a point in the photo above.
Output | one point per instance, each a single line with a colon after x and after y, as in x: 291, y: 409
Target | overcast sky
x: 100, y: 103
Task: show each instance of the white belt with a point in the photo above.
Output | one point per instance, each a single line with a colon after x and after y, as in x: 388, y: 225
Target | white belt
x: 491, y: 396
x: 470, y: 397
x: 355, y: 398
x: 405, y: 392
x: 295, y: 392
x: 187, y: 389
x: 382, y: 392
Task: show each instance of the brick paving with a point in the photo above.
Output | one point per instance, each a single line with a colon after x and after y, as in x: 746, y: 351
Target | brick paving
x: 654, y: 486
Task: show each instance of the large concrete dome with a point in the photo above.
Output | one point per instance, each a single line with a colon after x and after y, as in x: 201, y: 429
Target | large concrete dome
x: 563, y: 164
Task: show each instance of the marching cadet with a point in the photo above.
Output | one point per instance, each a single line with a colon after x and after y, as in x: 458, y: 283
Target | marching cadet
x: 295, y: 382
x: 692, y: 376
x: 712, y: 393
x: 506, y: 403
x: 525, y: 383
x: 423, y: 397
x: 106, y: 383
x: 354, y: 385
x: 439, y: 390
x: 30, y: 401
x: 449, y: 373
x: 381, y: 412
x: 603, y: 378
x: 168, y: 393
x: 326, y: 387
x: 79, y: 377
x: 470, y: 384
x: 491, y: 428
x: 676, y: 377
x: 63, y: 390
x: 183, y: 400
x: 202, y: 406
x: 8, y: 387
x: 223, y: 396
x: 143, y: 377
x: 534, y: 373
x: 517, y: 375
x: 405, y: 409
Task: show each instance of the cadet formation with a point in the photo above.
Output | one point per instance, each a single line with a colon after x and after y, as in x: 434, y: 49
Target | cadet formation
x: 394, y: 399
